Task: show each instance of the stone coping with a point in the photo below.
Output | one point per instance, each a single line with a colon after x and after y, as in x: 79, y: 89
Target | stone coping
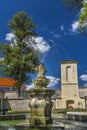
x: 77, y: 113
x: 69, y: 61
x: 58, y: 125
x: 77, y: 116
x: 12, y: 117
x: 26, y: 116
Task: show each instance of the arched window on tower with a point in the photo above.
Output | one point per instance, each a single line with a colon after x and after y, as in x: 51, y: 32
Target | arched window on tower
x: 68, y: 73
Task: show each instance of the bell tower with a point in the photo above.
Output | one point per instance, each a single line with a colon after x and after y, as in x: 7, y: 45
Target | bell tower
x: 69, y: 79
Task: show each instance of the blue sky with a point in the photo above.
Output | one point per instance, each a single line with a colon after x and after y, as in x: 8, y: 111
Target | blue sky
x: 57, y: 32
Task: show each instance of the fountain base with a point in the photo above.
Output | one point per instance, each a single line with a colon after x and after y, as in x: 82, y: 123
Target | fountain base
x: 36, y: 121
x: 26, y: 126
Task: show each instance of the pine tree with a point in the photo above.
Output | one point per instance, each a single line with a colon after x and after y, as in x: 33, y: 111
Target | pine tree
x: 19, y: 56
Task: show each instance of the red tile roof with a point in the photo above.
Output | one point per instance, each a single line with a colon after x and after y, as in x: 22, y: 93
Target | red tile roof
x: 8, y: 82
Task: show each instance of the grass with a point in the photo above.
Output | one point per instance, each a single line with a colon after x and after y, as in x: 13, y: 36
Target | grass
x: 28, y: 112
x: 56, y: 111
x: 63, y: 111
x: 11, y: 122
x: 18, y: 112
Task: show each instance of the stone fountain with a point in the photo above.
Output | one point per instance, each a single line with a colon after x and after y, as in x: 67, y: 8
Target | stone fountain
x: 41, y: 107
x: 40, y: 103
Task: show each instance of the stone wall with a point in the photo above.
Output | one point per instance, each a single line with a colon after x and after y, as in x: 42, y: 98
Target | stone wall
x: 22, y: 104
x: 16, y: 104
x: 10, y: 95
x: 14, y: 95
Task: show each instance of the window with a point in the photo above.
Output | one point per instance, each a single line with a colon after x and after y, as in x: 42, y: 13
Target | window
x: 68, y: 73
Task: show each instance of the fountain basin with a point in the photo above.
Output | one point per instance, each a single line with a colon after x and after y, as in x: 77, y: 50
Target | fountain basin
x: 12, y: 117
x: 26, y: 126
x: 58, y: 124
x: 77, y: 116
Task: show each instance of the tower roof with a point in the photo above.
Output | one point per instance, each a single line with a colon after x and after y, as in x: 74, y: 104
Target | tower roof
x: 69, y: 61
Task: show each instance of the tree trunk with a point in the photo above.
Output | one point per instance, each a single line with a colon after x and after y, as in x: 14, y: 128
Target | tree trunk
x: 19, y: 89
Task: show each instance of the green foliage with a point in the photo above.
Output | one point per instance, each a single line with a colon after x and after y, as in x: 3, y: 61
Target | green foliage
x: 22, y: 26
x: 79, y: 6
x: 76, y: 5
x: 20, y: 58
x: 83, y: 19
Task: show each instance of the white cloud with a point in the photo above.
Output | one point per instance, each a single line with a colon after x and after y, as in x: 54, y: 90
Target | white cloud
x: 85, y: 71
x: 30, y: 86
x: 1, y: 59
x: 85, y: 85
x: 9, y: 36
x: 53, y: 81
x: 75, y: 26
x: 62, y: 27
x: 83, y: 77
x: 42, y: 45
x: 57, y: 35
x: 52, y: 32
x: 84, y: 1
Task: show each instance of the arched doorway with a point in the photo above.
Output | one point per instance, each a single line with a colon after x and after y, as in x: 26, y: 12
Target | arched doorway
x: 70, y: 104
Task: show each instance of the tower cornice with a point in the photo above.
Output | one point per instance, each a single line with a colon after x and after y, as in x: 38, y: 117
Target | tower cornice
x: 69, y: 61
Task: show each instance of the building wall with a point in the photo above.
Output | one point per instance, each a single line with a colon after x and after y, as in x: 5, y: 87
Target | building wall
x: 11, y: 95
x: 12, y: 102
x: 23, y: 104
x: 16, y: 104
x: 14, y: 95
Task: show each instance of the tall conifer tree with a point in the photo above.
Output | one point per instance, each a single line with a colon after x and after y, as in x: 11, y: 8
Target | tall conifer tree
x: 19, y: 56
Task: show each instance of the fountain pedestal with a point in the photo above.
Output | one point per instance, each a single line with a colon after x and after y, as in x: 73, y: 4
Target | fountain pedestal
x: 41, y: 103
